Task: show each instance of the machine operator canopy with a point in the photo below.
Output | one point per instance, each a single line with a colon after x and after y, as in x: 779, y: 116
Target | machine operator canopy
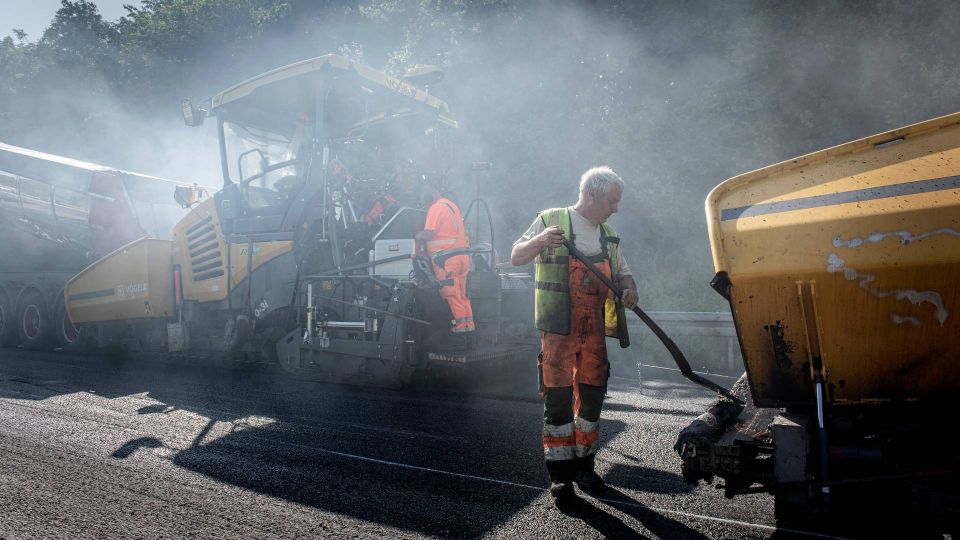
x: 353, y: 96
x: 268, y: 122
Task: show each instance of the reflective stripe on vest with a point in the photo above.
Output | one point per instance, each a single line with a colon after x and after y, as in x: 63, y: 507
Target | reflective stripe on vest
x: 434, y: 245
x: 552, y: 289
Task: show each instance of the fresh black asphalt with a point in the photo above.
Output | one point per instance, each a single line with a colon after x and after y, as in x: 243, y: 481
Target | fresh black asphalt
x: 101, y: 447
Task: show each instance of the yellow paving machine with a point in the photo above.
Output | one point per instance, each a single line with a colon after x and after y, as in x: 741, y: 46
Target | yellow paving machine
x: 307, y: 254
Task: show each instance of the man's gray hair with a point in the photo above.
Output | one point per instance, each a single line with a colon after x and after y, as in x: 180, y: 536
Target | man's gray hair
x: 599, y: 181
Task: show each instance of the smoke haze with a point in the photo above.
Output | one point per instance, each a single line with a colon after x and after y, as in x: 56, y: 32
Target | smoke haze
x: 675, y: 96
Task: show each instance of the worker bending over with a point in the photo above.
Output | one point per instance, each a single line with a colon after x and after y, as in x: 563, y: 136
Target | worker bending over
x: 444, y: 231
x: 574, y: 311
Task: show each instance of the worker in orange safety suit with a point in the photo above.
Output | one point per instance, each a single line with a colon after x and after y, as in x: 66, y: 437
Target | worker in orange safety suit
x: 574, y: 312
x: 380, y: 206
x: 444, y: 231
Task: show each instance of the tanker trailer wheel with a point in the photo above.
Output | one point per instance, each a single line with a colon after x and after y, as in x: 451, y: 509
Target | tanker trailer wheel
x: 8, y: 322
x: 34, y: 321
x: 70, y: 337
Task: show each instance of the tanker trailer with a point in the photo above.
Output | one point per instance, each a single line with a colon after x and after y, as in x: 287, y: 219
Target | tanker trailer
x: 57, y: 215
x: 842, y: 270
x: 307, y: 255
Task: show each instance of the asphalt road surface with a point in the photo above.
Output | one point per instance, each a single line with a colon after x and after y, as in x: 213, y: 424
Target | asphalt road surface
x: 94, y: 447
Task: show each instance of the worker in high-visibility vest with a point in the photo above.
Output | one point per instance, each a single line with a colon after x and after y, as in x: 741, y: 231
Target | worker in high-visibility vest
x: 574, y: 311
x: 444, y: 231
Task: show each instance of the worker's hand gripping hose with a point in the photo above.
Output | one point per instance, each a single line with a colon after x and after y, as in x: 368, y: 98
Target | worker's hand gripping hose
x: 675, y: 352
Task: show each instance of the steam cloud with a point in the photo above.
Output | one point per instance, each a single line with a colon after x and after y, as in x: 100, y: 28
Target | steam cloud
x: 676, y: 97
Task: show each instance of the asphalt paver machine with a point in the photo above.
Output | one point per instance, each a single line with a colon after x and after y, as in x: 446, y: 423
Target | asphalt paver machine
x: 307, y: 254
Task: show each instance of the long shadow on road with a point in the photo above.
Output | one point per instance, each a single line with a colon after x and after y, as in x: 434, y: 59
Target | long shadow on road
x: 661, y: 526
x: 434, y: 499
x: 645, y: 479
x: 605, y: 523
x: 274, y: 461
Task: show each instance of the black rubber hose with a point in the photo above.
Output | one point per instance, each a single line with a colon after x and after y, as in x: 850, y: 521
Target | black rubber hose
x: 675, y: 352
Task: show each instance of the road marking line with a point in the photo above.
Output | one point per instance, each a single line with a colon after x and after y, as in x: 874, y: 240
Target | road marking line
x: 538, y: 488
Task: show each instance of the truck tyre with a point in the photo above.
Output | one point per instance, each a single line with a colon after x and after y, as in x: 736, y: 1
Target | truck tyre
x: 8, y: 322
x: 70, y: 337
x: 34, y: 321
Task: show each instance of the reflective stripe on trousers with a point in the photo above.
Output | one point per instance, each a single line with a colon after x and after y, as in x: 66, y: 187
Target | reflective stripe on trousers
x: 587, y: 434
x: 576, y: 439
x: 559, y: 442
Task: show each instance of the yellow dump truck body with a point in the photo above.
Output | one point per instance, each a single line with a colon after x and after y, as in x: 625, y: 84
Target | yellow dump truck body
x: 852, y: 255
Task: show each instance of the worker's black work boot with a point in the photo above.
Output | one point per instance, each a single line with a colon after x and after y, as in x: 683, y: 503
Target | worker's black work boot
x: 587, y: 478
x: 561, y: 483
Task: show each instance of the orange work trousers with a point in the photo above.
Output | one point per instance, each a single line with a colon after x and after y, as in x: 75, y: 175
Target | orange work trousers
x: 575, y: 372
x: 455, y: 269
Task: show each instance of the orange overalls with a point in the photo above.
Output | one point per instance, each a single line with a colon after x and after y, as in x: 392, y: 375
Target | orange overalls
x: 575, y: 372
x: 444, y: 219
x: 380, y: 206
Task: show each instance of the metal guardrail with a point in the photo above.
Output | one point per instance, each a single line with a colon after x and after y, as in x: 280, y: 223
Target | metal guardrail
x: 678, y: 324
x: 691, y: 323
